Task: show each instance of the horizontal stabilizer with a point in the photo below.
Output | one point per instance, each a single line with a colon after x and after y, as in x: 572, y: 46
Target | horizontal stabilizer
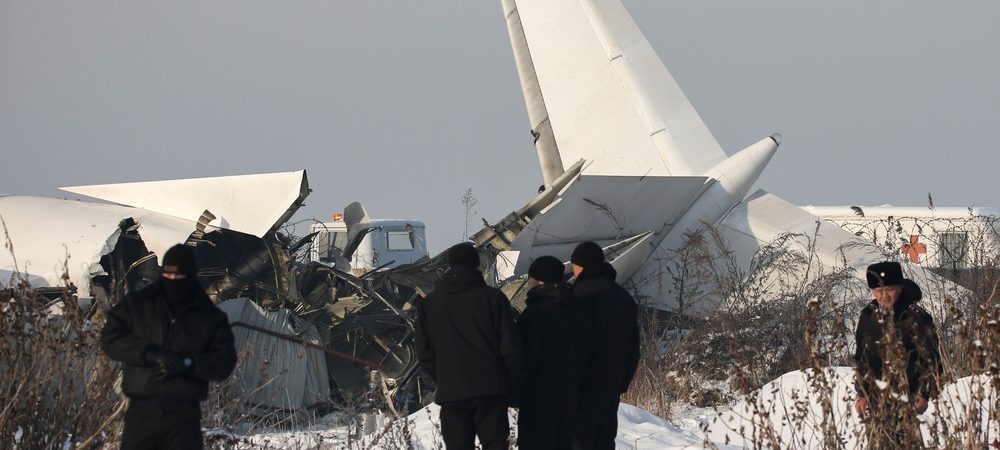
x: 610, y: 208
x: 607, y: 209
x: 252, y: 204
x: 763, y: 216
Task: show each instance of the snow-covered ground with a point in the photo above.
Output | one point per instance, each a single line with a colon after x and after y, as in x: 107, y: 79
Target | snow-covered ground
x: 637, y: 429
x: 788, y: 408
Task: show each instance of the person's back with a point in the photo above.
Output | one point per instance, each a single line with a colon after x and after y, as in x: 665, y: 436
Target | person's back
x: 467, y: 343
x: 553, y: 335
x: 613, y: 313
x: 474, y: 351
x: 614, y: 347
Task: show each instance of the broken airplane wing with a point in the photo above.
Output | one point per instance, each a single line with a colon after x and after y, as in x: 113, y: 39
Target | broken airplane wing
x: 251, y: 204
x: 54, y: 241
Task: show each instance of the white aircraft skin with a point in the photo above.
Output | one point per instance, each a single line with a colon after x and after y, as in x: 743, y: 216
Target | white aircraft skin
x: 596, y: 91
x: 53, y: 238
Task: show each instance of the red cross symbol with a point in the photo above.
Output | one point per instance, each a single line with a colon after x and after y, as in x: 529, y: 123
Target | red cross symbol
x: 914, y: 249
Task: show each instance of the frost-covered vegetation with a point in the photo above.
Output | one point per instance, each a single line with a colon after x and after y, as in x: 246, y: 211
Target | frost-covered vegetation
x: 766, y: 369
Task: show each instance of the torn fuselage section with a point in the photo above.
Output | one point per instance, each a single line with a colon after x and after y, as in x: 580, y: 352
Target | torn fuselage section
x: 609, y: 210
x: 356, y: 325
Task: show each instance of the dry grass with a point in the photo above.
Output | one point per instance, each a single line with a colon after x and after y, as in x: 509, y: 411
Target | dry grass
x: 60, y: 388
x: 763, y: 330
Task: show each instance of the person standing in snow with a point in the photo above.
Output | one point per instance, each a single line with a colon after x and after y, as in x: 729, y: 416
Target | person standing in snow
x: 171, y: 341
x: 555, y: 344
x: 468, y: 344
x: 614, y: 351
x: 897, y: 359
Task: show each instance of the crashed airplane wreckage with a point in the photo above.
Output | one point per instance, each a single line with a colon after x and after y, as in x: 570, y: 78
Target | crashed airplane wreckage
x: 310, y: 333
x: 626, y: 161
x: 348, y: 325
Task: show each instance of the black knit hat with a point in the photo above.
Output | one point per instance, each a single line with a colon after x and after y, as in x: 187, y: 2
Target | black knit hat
x: 547, y: 269
x: 179, y: 259
x: 464, y: 254
x: 587, y: 254
x: 887, y: 273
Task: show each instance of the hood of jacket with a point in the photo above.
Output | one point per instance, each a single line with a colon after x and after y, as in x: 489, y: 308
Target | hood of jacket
x: 550, y: 293
x: 602, y: 270
x: 461, y: 278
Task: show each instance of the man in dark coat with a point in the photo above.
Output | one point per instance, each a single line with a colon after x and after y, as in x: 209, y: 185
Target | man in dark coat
x: 171, y: 341
x: 467, y: 343
x: 614, y: 350
x: 897, y: 347
x: 553, y: 335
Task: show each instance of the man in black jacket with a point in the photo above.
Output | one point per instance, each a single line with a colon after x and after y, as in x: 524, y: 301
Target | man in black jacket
x: 614, y: 350
x: 172, y: 341
x: 553, y: 335
x: 467, y: 343
x: 897, y: 347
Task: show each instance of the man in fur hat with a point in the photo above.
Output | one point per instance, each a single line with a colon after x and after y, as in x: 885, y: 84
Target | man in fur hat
x: 897, y: 359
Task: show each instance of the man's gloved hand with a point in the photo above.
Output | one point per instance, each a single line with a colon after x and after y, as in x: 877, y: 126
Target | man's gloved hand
x: 166, y: 364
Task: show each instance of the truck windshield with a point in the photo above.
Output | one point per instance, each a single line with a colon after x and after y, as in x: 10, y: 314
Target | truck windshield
x: 399, y: 240
x: 330, y: 244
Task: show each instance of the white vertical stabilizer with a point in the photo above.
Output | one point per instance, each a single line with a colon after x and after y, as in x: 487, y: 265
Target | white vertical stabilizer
x: 545, y: 143
x: 607, y: 95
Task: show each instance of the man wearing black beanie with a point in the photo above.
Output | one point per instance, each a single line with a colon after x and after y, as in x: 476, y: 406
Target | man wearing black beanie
x: 171, y: 341
x: 897, y: 347
x: 614, y: 351
x: 555, y: 345
x: 467, y: 343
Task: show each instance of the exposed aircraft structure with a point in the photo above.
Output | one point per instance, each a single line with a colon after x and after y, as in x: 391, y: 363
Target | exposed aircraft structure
x: 626, y: 162
x: 348, y: 325
x: 639, y: 158
x: 99, y: 247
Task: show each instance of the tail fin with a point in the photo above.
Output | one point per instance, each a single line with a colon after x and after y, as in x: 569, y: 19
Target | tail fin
x: 596, y: 90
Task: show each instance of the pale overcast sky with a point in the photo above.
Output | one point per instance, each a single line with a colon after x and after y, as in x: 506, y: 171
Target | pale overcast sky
x: 403, y: 105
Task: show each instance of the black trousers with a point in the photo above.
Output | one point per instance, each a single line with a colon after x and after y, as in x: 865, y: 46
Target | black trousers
x: 545, y: 428
x: 596, y: 426
x: 162, y: 424
x: 463, y: 420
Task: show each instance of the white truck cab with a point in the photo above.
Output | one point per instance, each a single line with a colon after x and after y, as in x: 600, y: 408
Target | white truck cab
x: 386, y: 243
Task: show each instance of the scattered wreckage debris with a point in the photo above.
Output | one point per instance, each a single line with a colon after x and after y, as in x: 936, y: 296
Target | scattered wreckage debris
x: 312, y: 332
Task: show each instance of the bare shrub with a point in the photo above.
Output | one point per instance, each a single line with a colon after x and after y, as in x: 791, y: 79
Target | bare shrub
x: 785, y: 312
x: 60, y: 387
